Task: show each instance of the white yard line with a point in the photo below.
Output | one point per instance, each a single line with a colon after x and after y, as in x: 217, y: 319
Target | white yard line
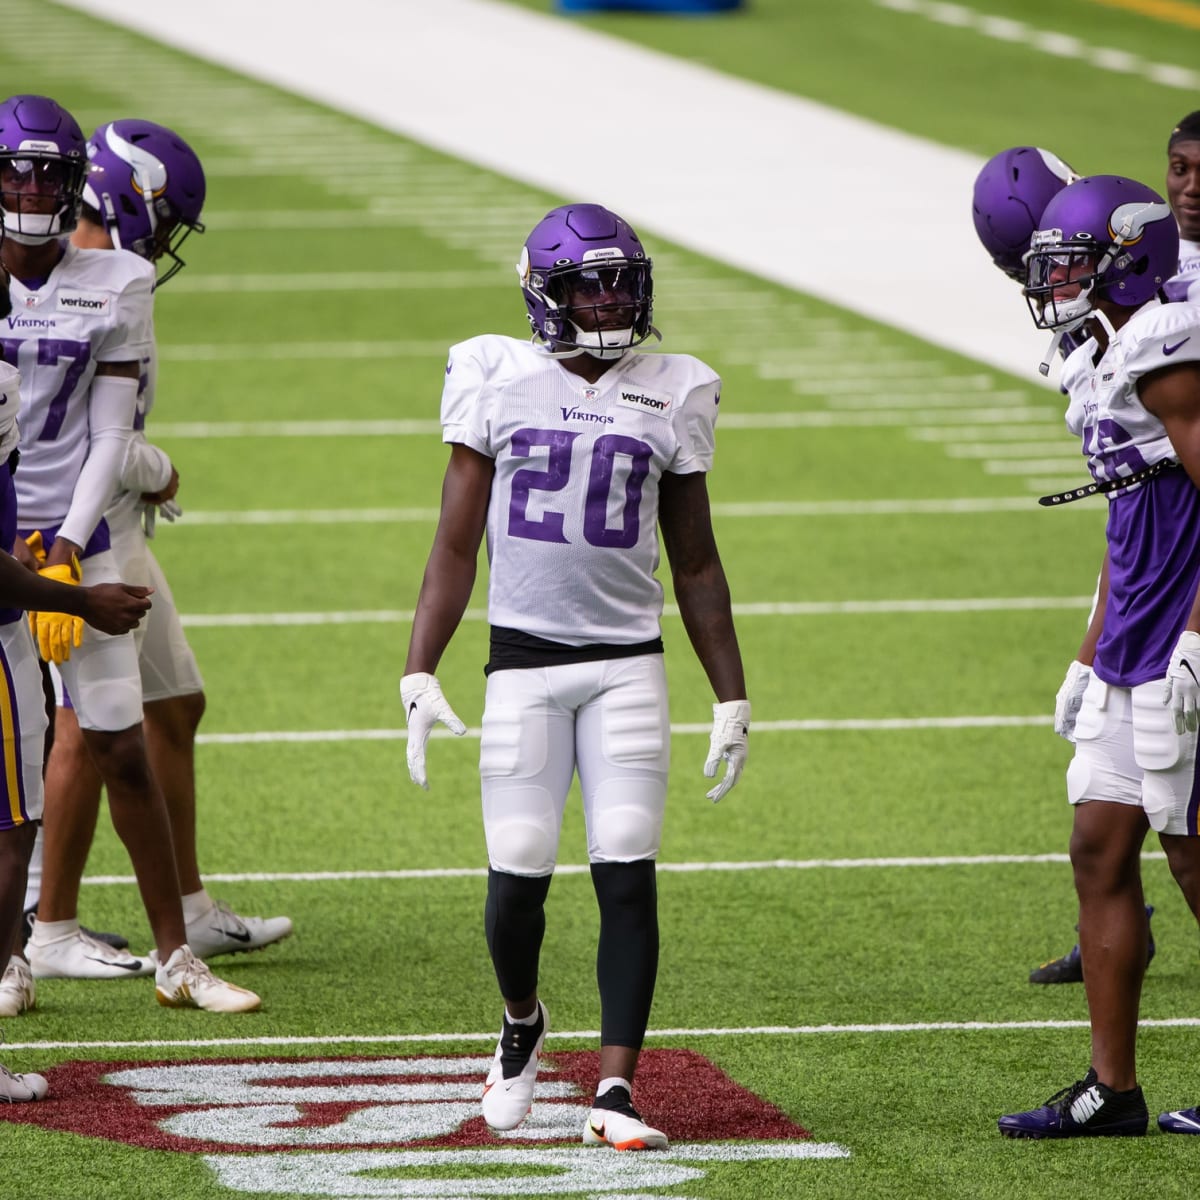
x: 799, y: 608
x: 687, y: 868
x: 965, y: 506
x: 817, y: 725
x: 892, y: 1029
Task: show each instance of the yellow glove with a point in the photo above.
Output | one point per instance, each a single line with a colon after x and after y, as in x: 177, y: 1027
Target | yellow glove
x: 34, y: 542
x: 56, y: 633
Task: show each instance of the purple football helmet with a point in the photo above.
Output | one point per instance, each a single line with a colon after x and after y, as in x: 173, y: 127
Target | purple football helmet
x: 146, y: 186
x: 1011, y: 191
x: 1104, y: 237
x: 43, y: 161
x: 583, y: 262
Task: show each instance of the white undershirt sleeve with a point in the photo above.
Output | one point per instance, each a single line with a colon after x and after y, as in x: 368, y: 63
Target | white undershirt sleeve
x: 112, y: 405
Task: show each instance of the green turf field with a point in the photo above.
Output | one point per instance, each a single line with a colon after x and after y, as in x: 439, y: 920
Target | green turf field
x: 847, y: 937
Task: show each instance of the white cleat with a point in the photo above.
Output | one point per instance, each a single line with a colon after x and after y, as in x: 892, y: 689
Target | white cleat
x: 77, y: 955
x: 621, y: 1125
x: 183, y: 981
x: 17, y: 993
x: 18, y: 1089
x: 508, y: 1089
x: 222, y: 931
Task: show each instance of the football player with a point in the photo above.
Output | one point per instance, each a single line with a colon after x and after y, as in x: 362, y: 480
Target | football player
x: 1098, y: 264
x: 1011, y: 192
x: 1183, y: 194
x: 81, y: 324
x: 111, y: 608
x: 572, y: 452
x: 144, y: 193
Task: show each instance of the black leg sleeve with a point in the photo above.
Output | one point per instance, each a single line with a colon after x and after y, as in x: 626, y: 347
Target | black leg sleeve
x: 514, y: 922
x: 627, y: 957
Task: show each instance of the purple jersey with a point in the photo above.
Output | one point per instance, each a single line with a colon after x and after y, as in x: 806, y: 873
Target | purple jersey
x: 1154, y: 526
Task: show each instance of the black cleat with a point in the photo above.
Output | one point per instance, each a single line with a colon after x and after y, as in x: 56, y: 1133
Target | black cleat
x: 1069, y: 968
x: 1087, y: 1108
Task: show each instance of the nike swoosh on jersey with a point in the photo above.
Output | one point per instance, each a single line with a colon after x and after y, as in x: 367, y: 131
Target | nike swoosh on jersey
x: 1169, y: 350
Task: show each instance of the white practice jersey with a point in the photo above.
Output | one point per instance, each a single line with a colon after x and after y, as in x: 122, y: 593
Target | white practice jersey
x: 572, y: 527
x: 1186, y: 284
x: 1119, y: 435
x: 146, y: 467
x: 95, y: 307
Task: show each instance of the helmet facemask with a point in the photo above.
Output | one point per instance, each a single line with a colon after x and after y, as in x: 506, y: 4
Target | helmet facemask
x: 601, y: 307
x: 1060, y: 280
x: 39, y: 194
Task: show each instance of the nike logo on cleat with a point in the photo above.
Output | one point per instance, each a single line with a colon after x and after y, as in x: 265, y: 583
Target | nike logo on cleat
x: 108, y: 962
x: 1169, y: 350
x: 237, y: 937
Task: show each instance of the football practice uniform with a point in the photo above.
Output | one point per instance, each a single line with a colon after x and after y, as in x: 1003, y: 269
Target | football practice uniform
x: 574, y: 605
x: 1127, y: 749
x: 1186, y: 284
x: 22, y: 709
x: 166, y: 660
x: 95, y: 307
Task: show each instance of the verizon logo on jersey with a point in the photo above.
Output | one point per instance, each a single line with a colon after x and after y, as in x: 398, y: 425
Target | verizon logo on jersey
x: 658, y: 403
x: 83, y: 302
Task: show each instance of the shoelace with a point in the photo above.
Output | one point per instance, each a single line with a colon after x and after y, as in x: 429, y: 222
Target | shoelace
x: 195, y: 971
x: 7, y: 1074
x: 227, y: 920
x: 1063, y: 1100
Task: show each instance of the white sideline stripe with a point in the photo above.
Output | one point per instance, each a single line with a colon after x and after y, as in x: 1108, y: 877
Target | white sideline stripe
x: 968, y: 506
x: 686, y: 868
x: 723, y: 132
x: 850, y: 725
x: 404, y: 1039
x: 815, y: 608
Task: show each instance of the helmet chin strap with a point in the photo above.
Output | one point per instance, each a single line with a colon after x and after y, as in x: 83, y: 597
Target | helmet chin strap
x: 26, y: 237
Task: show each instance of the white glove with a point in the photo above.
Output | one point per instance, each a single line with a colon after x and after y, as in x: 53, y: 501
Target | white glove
x: 424, y: 707
x: 169, y: 510
x: 730, y: 731
x: 1181, y: 691
x: 1070, y: 698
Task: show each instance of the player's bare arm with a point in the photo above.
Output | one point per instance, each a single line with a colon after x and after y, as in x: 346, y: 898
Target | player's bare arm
x: 1173, y: 396
x: 1087, y: 651
x: 701, y: 589
x: 450, y: 572
x: 165, y: 493
x: 111, y: 607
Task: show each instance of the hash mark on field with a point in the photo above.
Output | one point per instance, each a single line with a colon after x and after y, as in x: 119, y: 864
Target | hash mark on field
x: 1060, y: 45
